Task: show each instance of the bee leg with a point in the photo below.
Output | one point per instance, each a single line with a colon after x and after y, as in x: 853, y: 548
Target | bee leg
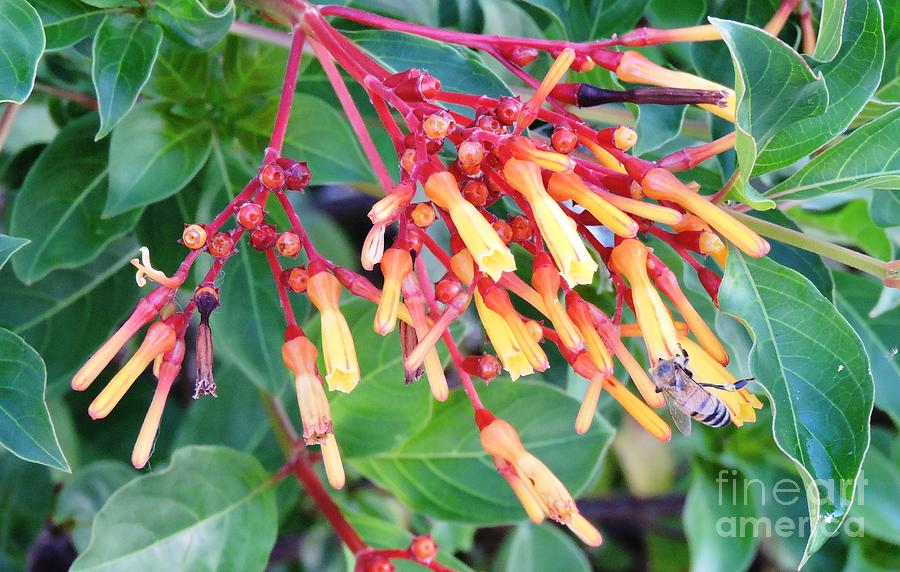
x: 739, y: 384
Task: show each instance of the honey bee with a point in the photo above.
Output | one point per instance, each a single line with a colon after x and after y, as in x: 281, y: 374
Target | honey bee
x: 688, y: 398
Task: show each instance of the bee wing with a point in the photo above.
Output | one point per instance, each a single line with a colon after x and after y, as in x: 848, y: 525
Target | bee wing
x: 682, y: 420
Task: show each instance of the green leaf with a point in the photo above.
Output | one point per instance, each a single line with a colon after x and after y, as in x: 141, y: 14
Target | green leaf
x: 27, y: 493
x: 459, y: 69
x: 831, y: 25
x: 23, y: 44
x: 252, y: 68
x: 124, y: 52
x: 25, y: 425
x: 84, y: 495
x: 816, y: 372
x: 212, y: 508
x: 867, y: 158
x: 192, y: 22
x: 774, y: 88
x: 535, y: 548
x: 9, y: 245
x: 848, y: 224
x: 443, y: 471
x: 67, y: 22
x: 382, y: 411
x: 152, y: 156
x: 877, y: 507
x: 707, y: 512
x: 856, y: 296
x: 181, y: 74
x: 852, y: 77
x: 884, y: 209
x: 316, y: 134
x: 60, y: 203
x: 657, y: 125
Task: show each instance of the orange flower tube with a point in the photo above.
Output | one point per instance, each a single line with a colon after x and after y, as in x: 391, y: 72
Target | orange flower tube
x: 569, y: 186
x: 341, y: 365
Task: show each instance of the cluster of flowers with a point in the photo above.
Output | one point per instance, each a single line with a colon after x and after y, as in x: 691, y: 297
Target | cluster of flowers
x: 564, y: 187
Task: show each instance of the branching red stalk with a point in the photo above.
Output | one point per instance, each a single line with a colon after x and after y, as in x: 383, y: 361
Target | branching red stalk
x: 287, y: 95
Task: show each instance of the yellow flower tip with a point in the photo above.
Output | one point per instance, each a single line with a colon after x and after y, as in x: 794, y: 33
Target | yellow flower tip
x: 505, y: 343
x: 373, y: 247
x: 569, y: 186
x: 523, y: 493
x: 603, y: 156
x: 624, y: 138
x: 588, y: 408
x: 639, y: 411
x: 498, y: 301
x: 338, y: 349
x: 387, y: 209
x: 584, y: 530
x: 395, y: 266
x: 523, y: 149
x: 331, y: 458
x: 741, y: 404
x: 160, y: 339
x: 556, y: 72
x: 437, y: 381
x: 299, y: 355
x: 145, y: 270
x: 546, y: 281
x: 488, y: 250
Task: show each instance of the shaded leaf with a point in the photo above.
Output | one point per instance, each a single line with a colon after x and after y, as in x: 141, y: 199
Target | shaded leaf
x: 23, y: 45
x: 867, y: 158
x: 212, y: 508
x: 124, y: 52
x: 25, y: 496
x: 152, y: 156
x: 657, y: 125
x: 856, y: 296
x: 774, y: 88
x: 851, y: 76
x: 535, y: 548
x: 60, y: 203
x: 9, y: 245
x: 885, y: 208
x: 67, y: 22
x: 877, y: 506
x: 84, y: 495
x: 181, y: 74
x: 816, y: 371
x: 443, y: 471
x: 25, y: 425
x: 192, y: 22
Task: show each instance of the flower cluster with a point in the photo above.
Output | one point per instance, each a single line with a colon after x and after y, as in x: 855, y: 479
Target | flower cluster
x: 581, y: 204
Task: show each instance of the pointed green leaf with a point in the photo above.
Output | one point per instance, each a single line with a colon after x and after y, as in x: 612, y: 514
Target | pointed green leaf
x: 868, y: 158
x: 124, y: 52
x: 212, y: 508
x: 657, y: 125
x: 60, y: 203
x: 831, y: 25
x: 85, y: 493
x: 444, y: 472
x: 23, y: 44
x: 192, y: 22
x: 25, y: 425
x: 852, y: 76
x: 9, y: 245
x: 152, y: 156
x: 816, y: 372
x: 774, y: 88
x: 66, y: 22
x: 534, y: 548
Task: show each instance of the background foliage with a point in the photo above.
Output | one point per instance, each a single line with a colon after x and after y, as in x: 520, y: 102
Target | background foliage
x: 140, y: 120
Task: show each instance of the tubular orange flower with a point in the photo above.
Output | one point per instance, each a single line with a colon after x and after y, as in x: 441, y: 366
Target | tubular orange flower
x: 434, y: 369
x: 395, y: 265
x: 497, y: 300
x: 145, y: 270
x: 146, y: 310
x: 168, y: 371
x: 488, y: 250
x: 501, y: 441
x: 569, y: 186
x: 503, y: 340
x: 637, y: 373
x: 580, y: 312
x: 660, y: 184
x: 160, y: 339
x: 646, y: 417
x: 636, y: 68
x: 427, y: 341
x: 299, y: 356
x: 529, y: 110
x: 643, y: 209
x: 341, y: 365
x: 382, y: 214
x: 559, y: 231
x: 741, y: 404
x: 657, y: 327
x: 603, y: 156
x: 522, y: 148
x: 584, y: 366
x: 546, y: 280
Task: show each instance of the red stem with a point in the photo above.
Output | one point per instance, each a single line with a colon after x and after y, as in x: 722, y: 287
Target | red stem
x: 287, y: 95
x: 275, y: 266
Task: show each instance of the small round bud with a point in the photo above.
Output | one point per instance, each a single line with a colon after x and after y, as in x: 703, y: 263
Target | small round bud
x: 507, y: 110
x: 380, y: 565
x: 263, y: 237
x: 414, y: 241
x: 250, y: 215
x: 486, y: 366
x: 436, y: 126
x: 220, y: 245
x: 564, y: 140
x: 521, y: 228
x: 194, y: 236
x: 488, y: 122
x: 272, y: 176
x: 408, y: 160
x: 295, y: 279
x: 470, y: 154
x: 423, y: 215
x: 503, y: 230
x: 476, y: 193
x: 288, y: 244
x: 298, y: 177
x: 447, y: 288
x: 423, y: 548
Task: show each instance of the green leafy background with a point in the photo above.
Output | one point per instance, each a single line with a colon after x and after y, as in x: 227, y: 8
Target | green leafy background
x: 182, y: 113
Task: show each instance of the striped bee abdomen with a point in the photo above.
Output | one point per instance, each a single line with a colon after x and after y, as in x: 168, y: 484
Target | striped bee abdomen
x: 718, y: 417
